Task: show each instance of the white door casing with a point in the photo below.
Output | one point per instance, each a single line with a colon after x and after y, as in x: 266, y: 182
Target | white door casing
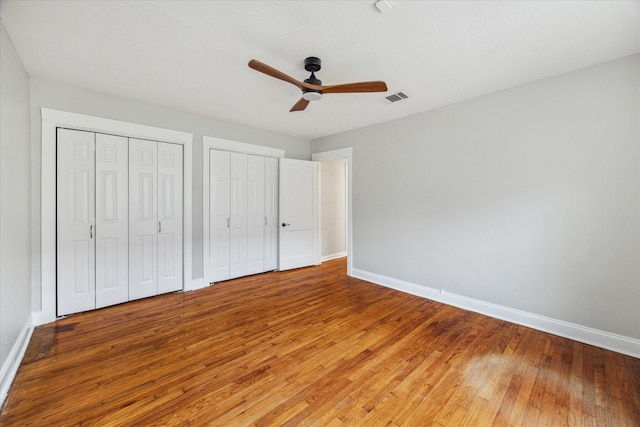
x: 299, y: 214
x: 169, y: 217
x: 256, y: 219
x: 344, y: 153
x: 75, y: 221
x: 218, y: 260
x: 143, y: 219
x: 238, y: 216
x: 112, y: 229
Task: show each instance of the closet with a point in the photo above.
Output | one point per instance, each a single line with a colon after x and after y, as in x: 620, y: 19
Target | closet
x: 243, y: 214
x: 118, y: 219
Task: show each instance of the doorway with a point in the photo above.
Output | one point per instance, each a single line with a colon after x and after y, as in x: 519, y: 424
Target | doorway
x: 332, y: 161
x: 333, y: 209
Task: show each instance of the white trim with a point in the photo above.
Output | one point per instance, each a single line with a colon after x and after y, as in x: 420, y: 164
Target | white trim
x: 344, y: 153
x: 584, y: 334
x: 37, y: 318
x: 333, y: 256
x: 12, y: 363
x: 211, y: 143
x: 52, y: 119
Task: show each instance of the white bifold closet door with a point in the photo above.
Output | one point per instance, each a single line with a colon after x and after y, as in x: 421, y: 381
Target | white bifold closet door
x: 262, y: 205
x: 75, y: 215
x: 256, y: 220
x: 91, y: 218
x: 238, y: 216
x: 243, y: 214
x: 170, y: 220
x: 219, y: 177
x: 155, y: 218
x: 119, y: 219
x: 271, y: 229
x: 143, y: 219
x: 112, y: 236
x: 228, y: 215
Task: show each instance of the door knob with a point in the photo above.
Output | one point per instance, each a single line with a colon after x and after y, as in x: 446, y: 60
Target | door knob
x: 285, y: 225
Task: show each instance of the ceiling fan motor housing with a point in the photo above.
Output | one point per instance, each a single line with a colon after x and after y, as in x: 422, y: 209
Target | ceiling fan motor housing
x: 312, y: 64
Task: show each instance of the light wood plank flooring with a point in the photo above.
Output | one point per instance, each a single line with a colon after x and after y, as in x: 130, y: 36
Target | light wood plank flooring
x: 312, y: 347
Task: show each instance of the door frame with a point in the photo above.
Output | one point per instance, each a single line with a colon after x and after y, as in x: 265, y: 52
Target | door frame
x: 53, y: 119
x: 212, y: 143
x: 343, y: 153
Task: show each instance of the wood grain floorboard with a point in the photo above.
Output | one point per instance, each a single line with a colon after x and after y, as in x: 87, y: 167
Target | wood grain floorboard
x: 312, y: 347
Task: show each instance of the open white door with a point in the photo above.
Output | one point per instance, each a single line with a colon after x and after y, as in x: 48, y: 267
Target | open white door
x: 299, y: 214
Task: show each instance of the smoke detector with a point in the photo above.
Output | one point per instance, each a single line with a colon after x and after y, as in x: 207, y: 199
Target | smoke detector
x: 383, y: 6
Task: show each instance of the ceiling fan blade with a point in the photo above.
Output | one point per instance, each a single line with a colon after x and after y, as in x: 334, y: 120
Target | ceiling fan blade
x: 270, y: 71
x: 300, y: 105
x: 375, y: 86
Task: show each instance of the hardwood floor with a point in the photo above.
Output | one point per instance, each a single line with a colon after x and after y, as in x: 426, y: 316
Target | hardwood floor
x: 312, y: 347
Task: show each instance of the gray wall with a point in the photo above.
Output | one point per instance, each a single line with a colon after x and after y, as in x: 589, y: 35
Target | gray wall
x: 68, y: 98
x: 15, y: 208
x: 333, y: 192
x: 526, y: 198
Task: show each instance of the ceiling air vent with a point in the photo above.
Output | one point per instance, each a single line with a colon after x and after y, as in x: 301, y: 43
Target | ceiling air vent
x: 398, y: 96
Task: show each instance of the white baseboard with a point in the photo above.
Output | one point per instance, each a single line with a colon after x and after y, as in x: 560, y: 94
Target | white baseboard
x: 585, y: 334
x: 10, y: 366
x: 333, y: 256
x: 37, y: 318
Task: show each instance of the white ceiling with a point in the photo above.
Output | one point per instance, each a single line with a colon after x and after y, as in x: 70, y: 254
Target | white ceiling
x: 192, y: 55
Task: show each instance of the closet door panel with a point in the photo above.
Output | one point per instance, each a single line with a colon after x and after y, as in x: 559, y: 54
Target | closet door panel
x: 238, y: 216
x: 219, y: 215
x: 143, y: 219
x: 256, y: 219
x: 75, y: 215
x: 112, y: 233
x: 271, y: 228
x: 169, y: 217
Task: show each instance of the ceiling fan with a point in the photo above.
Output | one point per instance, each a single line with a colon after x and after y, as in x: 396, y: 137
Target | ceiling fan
x: 312, y: 89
